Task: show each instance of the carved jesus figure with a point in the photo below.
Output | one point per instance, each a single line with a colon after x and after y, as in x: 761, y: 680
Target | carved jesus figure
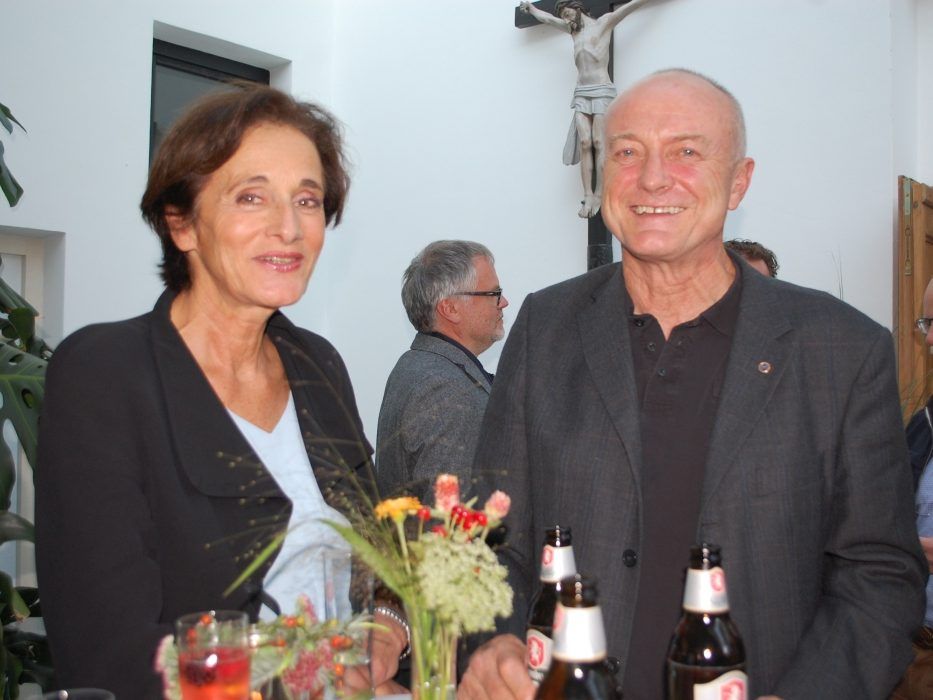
x: 594, y: 90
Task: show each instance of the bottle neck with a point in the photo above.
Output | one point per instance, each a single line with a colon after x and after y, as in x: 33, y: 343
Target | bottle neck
x: 579, y: 636
x: 557, y: 563
x: 705, y: 591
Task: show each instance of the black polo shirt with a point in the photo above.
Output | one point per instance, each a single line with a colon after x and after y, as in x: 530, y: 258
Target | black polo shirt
x: 679, y: 383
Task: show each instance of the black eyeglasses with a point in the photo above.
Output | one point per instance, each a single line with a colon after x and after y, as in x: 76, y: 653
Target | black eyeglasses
x: 497, y: 293
x: 923, y: 325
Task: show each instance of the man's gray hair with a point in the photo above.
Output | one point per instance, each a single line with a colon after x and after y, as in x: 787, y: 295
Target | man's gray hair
x: 442, y: 269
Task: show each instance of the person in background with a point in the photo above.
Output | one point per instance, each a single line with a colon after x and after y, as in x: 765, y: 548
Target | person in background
x: 677, y: 397
x: 436, y: 395
x: 917, y: 683
x: 177, y: 445
x: 755, y: 254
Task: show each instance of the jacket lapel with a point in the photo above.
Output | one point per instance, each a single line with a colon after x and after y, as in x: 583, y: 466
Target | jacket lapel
x: 427, y: 343
x: 606, y: 345
x: 211, y: 451
x: 762, y: 349
x: 336, y: 446
x: 246, y: 502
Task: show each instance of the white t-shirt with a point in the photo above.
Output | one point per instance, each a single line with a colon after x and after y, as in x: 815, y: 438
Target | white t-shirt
x: 314, y: 559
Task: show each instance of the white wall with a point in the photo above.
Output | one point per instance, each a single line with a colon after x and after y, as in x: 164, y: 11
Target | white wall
x: 456, y: 121
x: 920, y: 74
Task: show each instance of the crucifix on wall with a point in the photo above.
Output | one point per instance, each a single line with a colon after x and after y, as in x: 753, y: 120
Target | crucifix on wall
x: 590, y: 24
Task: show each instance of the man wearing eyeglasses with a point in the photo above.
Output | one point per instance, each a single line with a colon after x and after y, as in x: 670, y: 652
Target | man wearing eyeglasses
x: 918, y: 681
x: 436, y: 395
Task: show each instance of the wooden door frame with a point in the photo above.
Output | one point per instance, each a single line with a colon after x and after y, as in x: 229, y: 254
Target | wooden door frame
x: 913, y: 269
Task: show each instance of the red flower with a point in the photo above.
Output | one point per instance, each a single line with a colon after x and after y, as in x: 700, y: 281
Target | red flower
x: 446, y: 492
x: 340, y: 642
x: 305, y: 674
x: 305, y: 604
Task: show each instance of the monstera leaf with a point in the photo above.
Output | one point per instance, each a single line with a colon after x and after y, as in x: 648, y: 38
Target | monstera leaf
x: 24, y: 655
x: 22, y: 386
x: 8, y: 185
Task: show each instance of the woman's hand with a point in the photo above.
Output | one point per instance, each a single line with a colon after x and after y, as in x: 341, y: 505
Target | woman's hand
x: 389, y: 640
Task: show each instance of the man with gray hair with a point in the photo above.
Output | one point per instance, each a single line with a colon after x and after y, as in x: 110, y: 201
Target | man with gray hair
x: 436, y: 395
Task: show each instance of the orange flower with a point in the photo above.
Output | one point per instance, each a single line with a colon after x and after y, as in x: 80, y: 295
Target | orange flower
x: 397, y: 508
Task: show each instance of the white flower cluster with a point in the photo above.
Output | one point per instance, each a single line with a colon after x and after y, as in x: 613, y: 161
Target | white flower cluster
x: 462, y: 583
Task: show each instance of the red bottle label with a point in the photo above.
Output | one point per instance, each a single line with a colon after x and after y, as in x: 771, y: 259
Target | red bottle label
x: 557, y: 563
x: 729, y: 686
x: 538, y: 647
x: 705, y: 591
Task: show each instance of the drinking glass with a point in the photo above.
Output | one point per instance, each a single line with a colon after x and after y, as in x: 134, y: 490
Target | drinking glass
x: 348, y: 591
x: 213, y: 655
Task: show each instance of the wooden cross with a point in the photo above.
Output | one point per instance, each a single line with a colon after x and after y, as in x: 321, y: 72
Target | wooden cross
x: 599, y: 240
x: 595, y: 8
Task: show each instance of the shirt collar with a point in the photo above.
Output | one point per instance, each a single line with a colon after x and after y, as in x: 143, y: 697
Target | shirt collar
x: 465, y: 351
x: 722, y: 315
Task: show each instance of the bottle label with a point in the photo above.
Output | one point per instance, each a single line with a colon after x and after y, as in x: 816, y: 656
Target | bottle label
x: 705, y: 591
x: 538, y: 647
x: 578, y: 634
x: 557, y: 563
x: 729, y: 686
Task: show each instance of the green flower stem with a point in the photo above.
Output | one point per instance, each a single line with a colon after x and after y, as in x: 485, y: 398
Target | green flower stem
x: 434, y: 649
x: 400, y: 528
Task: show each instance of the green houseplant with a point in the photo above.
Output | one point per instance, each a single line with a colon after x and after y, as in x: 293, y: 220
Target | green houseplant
x: 8, y: 184
x: 24, y: 655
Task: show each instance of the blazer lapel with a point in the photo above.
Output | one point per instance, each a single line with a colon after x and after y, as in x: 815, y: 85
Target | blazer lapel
x: 212, y: 452
x: 607, y: 350
x: 246, y: 501
x: 338, y: 450
x: 761, y: 351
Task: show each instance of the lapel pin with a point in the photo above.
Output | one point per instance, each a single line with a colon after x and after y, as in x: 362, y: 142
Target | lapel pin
x: 765, y: 367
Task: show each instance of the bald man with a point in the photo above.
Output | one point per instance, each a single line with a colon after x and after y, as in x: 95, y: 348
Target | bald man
x: 681, y: 396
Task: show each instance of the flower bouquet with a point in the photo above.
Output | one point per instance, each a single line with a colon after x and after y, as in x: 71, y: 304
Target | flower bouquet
x: 437, y: 561
x: 306, y: 655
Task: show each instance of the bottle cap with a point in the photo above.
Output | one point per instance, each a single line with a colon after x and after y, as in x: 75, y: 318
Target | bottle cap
x: 705, y: 556
x: 558, y: 536
x: 578, y: 591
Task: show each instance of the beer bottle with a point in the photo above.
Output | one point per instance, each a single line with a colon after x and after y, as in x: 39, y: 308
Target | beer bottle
x: 578, y: 668
x: 706, y: 658
x: 556, y: 563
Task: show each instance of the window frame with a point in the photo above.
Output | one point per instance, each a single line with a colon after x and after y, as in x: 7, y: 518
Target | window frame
x: 205, y: 65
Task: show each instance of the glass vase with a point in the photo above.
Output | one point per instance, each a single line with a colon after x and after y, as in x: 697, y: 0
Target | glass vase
x: 433, y: 657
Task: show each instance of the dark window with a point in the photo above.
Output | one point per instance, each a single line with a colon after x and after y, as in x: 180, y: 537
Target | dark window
x: 181, y: 75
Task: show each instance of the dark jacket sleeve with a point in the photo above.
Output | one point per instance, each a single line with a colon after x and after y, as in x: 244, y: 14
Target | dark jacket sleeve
x: 95, y: 541
x: 872, y: 601
x: 502, y: 462
x: 919, y: 443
